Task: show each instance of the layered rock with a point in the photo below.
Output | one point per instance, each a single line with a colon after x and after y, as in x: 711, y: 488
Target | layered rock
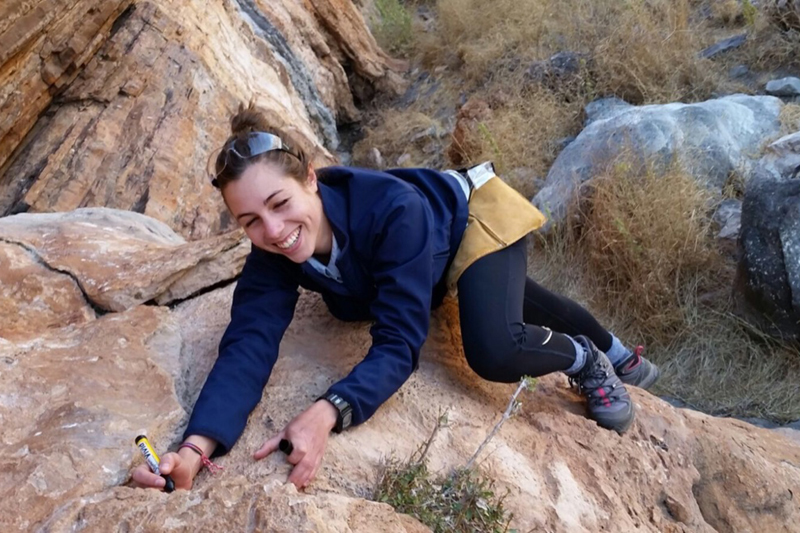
x: 152, y: 93
x: 709, y: 139
x: 105, y: 260
x: 43, y: 46
x: 74, y: 398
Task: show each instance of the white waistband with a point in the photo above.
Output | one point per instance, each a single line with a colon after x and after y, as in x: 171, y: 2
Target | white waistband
x: 479, y: 174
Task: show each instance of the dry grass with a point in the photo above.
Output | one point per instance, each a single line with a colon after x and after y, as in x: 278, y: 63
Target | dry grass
x: 643, y: 51
x: 399, y: 133
x: 643, y: 261
x: 521, y: 134
x: 650, y: 246
x: 789, y: 118
x: 769, y: 47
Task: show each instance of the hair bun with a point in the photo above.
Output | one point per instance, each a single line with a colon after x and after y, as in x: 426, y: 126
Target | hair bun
x: 249, y: 119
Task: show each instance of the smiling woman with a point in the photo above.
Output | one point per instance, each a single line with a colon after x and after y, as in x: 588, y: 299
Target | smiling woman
x: 384, y: 246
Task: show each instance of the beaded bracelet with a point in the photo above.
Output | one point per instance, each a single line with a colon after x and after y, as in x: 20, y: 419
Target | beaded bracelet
x: 213, y: 468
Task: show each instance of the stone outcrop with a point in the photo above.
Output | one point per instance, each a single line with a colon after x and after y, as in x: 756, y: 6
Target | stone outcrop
x: 107, y: 259
x: 74, y: 397
x: 133, y: 102
x: 43, y: 47
x: 768, y: 276
x: 709, y: 139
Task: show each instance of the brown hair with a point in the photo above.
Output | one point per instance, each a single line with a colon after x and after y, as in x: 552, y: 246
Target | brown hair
x: 251, y: 119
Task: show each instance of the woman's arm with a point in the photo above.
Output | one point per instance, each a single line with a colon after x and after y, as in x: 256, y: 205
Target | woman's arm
x: 402, y: 269
x: 263, y: 306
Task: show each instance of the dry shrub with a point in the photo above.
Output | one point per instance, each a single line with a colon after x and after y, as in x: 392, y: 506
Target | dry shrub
x: 649, y: 244
x: 644, y: 264
x: 397, y: 133
x: 645, y: 51
x: 727, y: 12
x: 784, y: 13
x: 650, y: 55
x: 789, y: 118
x: 719, y: 364
x: 770, y: 46
x: 522, y: 131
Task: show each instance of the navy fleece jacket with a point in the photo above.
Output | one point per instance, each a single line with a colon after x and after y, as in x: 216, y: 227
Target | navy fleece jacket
x: 397, y: 231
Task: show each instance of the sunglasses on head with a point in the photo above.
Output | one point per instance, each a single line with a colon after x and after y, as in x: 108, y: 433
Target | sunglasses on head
x: 251, y: 145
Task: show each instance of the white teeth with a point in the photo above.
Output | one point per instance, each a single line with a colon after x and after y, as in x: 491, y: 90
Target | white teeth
x: 290, y: 240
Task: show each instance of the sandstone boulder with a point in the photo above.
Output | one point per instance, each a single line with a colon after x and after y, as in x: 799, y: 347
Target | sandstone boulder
x: 709, y: 139
x: 74, y: 398
x: 120, y: 259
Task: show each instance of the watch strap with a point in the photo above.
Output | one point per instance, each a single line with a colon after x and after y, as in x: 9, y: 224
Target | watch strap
x: 344, y: 416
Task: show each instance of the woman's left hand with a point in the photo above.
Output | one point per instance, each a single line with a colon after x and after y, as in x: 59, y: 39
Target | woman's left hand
x: 308, y: 432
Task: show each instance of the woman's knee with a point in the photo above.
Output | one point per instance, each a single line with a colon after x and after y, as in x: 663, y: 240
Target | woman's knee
x: 492, y: 359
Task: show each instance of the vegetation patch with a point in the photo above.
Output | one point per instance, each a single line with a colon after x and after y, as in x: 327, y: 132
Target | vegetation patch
x: 462, y: 501
x: 650, y: 245
x: 639, y: 253
x: 392, y: 26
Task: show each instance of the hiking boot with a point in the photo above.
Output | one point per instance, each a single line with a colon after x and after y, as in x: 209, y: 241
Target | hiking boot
x: 637, y: 371
x: 609, y: 403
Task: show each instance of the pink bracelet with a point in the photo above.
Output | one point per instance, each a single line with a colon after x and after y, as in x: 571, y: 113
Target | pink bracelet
x: 203, y: 457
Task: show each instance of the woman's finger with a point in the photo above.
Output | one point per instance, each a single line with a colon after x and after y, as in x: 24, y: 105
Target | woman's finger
x: 301, y: 474
x: 169, y: 463
x: 270, y: 446
x: 143, y: 477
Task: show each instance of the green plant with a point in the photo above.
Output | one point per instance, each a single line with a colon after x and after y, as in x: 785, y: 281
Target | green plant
x: 393, y: 28
x: 463, y: 501
x: 489, y: 138
x: 749, y: 13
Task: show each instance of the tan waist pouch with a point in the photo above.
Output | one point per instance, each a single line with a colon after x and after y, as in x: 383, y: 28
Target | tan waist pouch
x: 498, y: 217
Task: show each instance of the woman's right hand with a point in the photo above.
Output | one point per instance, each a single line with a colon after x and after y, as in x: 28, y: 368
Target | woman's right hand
x: 180, y: 469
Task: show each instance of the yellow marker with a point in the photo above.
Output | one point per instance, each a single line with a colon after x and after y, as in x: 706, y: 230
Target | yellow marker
x: 152, y: 460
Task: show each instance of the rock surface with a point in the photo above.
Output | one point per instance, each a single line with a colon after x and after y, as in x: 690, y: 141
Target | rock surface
x: 725, y: 45
x: 781, y: 160
x: 73, y: 399
x: 120, y: 259
x: 784, y: 87
x: 728, y: 218
x: 768, y: 274
x: 710, y: 139
x: 154, y: 85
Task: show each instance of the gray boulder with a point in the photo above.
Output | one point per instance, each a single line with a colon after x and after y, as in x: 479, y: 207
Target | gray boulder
x: 781, y: 160
x: 728, y: 217
x: 724, y: 45
x: 709, y: 139
x: 768, y: 274
x: 784, y: 87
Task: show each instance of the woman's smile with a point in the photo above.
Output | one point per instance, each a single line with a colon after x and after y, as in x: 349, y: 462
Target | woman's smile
x: 291, y: 242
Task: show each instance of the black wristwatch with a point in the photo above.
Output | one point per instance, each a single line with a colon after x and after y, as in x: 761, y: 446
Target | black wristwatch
x: 344, y: 418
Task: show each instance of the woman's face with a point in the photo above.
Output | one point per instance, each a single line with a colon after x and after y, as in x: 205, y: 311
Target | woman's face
x: 278, y: 213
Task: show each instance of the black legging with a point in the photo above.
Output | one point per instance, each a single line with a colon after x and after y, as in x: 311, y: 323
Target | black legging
x: 501, y: 313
